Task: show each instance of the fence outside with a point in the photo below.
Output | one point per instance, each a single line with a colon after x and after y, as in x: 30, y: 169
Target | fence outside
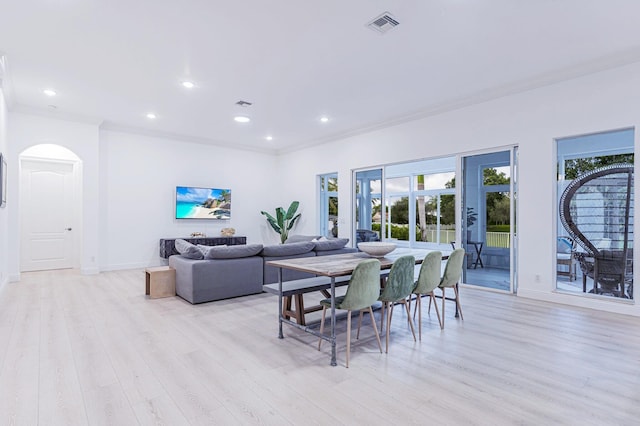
x: 493, y: 239
x: 498, y: 239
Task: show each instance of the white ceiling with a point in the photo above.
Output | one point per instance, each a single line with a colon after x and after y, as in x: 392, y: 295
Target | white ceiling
x: 112, y: 61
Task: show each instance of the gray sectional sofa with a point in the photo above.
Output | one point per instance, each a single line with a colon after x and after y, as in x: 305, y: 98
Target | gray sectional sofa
x: 208, y: 273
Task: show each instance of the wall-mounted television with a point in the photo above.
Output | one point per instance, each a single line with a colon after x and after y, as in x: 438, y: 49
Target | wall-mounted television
x: 202, y: 203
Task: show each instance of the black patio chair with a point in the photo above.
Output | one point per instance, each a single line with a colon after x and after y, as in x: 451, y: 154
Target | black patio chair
x: 596, y: 209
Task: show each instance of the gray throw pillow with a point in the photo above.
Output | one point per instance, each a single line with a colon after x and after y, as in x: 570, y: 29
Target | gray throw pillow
x: 205, y: 249
x: 330, y: 244
x: 188, y: 250
x: 300, y: 238
x: 233, y: 252
x: 291, y: 249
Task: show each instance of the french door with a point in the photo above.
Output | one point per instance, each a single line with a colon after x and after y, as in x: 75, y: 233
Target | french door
x: 489, y: 219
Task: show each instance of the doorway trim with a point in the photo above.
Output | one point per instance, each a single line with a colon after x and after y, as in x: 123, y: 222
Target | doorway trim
x: 55, y: 154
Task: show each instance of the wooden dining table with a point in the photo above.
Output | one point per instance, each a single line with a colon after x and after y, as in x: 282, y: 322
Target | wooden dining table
x: 334, y: 266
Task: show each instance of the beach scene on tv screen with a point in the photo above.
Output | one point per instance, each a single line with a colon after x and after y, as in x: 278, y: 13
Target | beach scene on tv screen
x: 202, y: 203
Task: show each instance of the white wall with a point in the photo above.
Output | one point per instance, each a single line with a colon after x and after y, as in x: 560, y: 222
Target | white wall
x: 593, y: 103
x: 137, y: 183
x: 129, y: 179
x: 4, y: 215
x: 28, y: 130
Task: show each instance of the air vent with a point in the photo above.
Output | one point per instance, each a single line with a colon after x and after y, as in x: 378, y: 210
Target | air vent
x: 383, y: 23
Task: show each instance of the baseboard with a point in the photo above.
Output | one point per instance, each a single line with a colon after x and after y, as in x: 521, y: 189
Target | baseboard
x: 90, y: 271
x: 137, y: 265
x: 580, y: 300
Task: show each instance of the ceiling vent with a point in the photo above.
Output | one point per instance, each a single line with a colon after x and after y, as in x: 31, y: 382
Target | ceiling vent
x: 383, y: 23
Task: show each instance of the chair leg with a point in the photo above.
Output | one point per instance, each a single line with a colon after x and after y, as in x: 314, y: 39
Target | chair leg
x: 389, y: 313
x: 382, y: 317
x: 435, y: 305
x: 413, y: 331
x: 375, y: 329
x: 359, y: 324
x: 419, y: 309
x: 324, y: 312
x: 416, y: 308
x: 348, y: 336
x: 443, y: 299
x: 455, y: 289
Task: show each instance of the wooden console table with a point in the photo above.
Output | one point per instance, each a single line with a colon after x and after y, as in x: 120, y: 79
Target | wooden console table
x: 168, y: 247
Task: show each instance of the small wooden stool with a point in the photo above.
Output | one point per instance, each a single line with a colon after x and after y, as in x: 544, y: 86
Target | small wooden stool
x: 160, y: 282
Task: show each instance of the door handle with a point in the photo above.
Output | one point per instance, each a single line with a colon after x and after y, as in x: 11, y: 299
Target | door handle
x: 68, y: 229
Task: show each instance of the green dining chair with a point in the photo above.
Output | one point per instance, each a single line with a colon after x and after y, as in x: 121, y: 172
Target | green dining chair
x: 450, y: 278
x: 362, y: 293
x: 397, y: 290
x: 428, y: 281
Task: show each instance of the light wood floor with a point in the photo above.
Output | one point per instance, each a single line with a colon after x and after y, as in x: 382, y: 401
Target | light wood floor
x: 93, y: 350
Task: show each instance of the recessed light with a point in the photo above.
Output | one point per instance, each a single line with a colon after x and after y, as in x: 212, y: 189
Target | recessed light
x: 188, y: 84
x: 324, y: 119
x: 49, y: 92
x: 269, y: 138
x: 151, y: 116
x: 241, y: 119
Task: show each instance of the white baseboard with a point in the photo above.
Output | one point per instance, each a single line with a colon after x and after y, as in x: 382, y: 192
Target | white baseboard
x: 614, y: 305
x: 137, y: 265
x: 90, y: 271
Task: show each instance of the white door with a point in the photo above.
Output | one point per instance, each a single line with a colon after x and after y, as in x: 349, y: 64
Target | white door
x: 46, y: 215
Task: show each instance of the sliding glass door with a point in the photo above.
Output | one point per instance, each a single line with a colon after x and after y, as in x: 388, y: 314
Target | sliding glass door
x: 488, y: 226
x: 368, y: 205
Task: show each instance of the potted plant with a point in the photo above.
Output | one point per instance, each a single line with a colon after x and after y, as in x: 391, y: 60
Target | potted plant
x: 284, y: 221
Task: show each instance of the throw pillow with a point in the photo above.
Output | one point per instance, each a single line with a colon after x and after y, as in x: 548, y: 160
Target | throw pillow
x: 188, y: 250
x: 331, y: 244
x: 205, y: 249
x: 300, y: 238
x: 292, y: 249
x: 232, y: 252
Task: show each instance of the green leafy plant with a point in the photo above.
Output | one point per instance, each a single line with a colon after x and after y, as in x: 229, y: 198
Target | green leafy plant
x: 284, y: 221
x: 471, y: 216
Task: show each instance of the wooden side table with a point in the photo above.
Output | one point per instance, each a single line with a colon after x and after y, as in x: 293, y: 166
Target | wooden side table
x: 160, y: 282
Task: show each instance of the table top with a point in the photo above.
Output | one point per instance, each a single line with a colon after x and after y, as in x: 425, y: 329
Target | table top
x: 343, y: 264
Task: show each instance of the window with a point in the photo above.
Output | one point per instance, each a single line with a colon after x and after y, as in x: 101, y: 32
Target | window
x: 420, y: 202
x: 329, y: 204
x: 594, y: 244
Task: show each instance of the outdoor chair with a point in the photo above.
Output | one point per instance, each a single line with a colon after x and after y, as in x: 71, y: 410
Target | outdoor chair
x: 596, y: 209
x: 566, y: 260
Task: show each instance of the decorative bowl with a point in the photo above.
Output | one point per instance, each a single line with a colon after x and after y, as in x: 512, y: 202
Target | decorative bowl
x: 377, y: 248
x: 227, y: 232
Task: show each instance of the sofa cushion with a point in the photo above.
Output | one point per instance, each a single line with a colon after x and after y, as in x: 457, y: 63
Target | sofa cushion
x: 330, y: 244
x: 233, y: 252
x: 300, y: 238
x: 188, y: 250
x: 291, y: 249
x: 205, y: 249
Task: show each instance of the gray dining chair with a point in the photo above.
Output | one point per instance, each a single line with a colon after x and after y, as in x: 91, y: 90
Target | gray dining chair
x: 362, y: 293
x: 397, y: 289
x: 428, y: 280
x: 451, y: 277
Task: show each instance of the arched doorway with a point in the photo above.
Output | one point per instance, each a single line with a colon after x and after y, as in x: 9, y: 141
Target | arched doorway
x: 50, y: 208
